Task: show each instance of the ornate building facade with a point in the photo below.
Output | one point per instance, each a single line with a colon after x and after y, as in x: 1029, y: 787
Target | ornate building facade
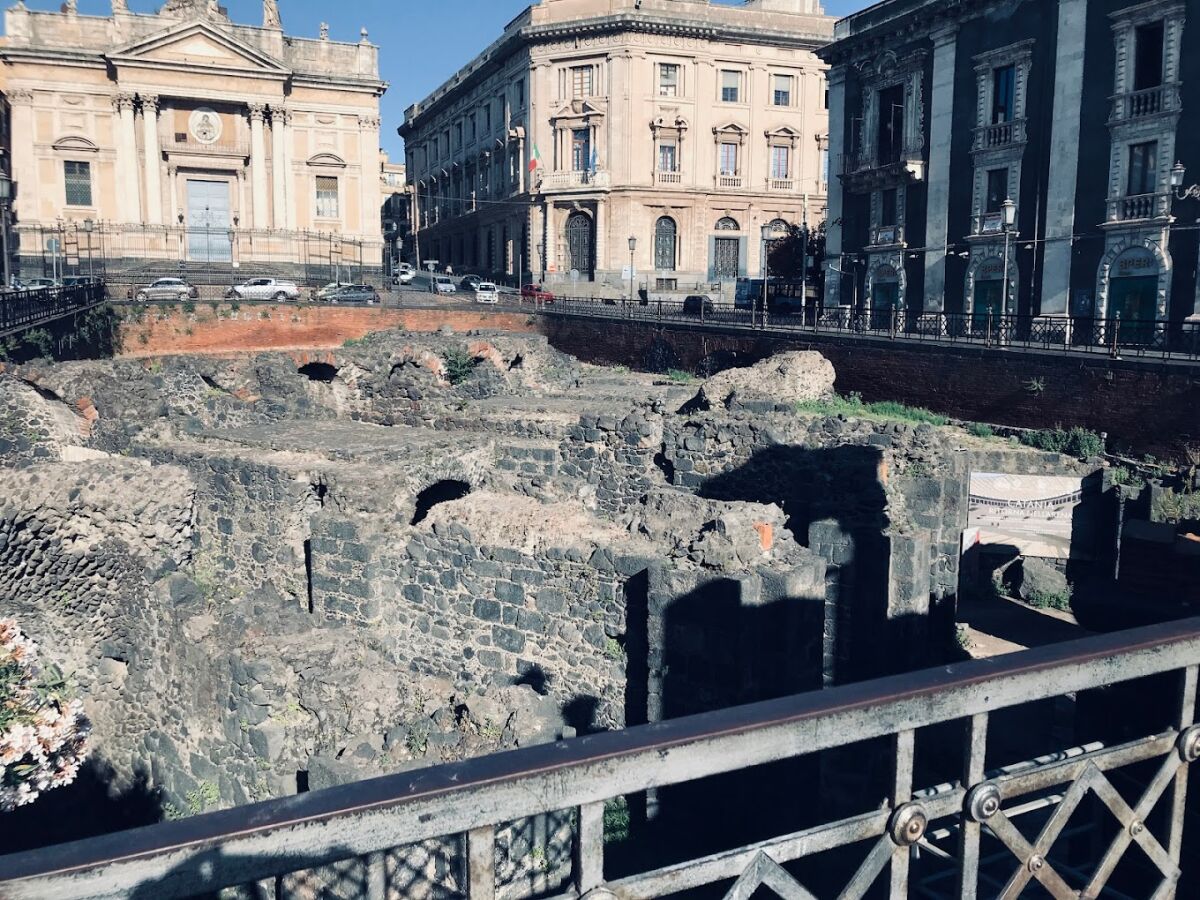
x: 1070, y: 117
x: 683, y: 124
x: 190, y: 141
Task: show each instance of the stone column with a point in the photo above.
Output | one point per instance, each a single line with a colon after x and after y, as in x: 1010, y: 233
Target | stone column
x: 833, y: 223
x: 937, y: 209
x: 258, y: 166
x: 1064, y: 158
x: 370, y: 205
x: 278, y: 169
x: 173, y: 191
x: 128, y: 196
x: 153, y: 160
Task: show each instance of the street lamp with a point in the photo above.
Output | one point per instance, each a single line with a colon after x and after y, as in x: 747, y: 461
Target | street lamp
x: 1182, y: 193
x: 88, y: 227
x: 5, y: 197
x: 1008, y: 212
x: 768, y: 232
x: 632, y: 248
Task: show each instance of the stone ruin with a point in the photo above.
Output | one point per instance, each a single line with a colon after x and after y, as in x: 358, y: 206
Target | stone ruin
x: 276, y: 572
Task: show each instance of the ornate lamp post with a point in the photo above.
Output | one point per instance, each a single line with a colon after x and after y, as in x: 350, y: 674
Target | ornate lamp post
x: 632, y: 248
x: 1182, y: 193
x: 5, y: 198
x: 1008, y: 212
x: 88, y: 227
x: 768, y: 232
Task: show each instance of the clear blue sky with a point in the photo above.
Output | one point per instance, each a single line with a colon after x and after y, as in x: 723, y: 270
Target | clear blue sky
x: 421, y: 43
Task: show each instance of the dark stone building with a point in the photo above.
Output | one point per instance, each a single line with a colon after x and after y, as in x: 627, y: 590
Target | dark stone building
x: 1068, y: 115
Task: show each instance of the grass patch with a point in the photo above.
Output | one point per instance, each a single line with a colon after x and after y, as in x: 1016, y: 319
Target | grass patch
x: 678, y: 376
x: 980, y: 430
x: 884, y: 410
x: 459, y: 365
x: 616, y: 821
x: 1050, y: 600
x: 1078, y: 442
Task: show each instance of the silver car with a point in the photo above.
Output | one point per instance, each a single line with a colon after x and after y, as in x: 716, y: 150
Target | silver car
x: 167, y: 289
x: 265, y: 289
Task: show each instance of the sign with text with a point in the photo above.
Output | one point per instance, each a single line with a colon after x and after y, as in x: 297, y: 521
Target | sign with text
x: 1134, y: 262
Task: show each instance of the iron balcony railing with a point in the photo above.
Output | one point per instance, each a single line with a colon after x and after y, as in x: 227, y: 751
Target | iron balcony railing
x: 1115, y: 336
x: 25, y: 309
x: 954, y: 838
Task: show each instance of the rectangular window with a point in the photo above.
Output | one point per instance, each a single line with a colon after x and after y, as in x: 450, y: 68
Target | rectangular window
x: 731, y: 86
x: 458, y: 132
x: 581, y: 150
x: 521, y: 94
x: 668, y: 160
x: 890, y: 133
x: 581, y: 82
x: 781, y: 163
x: 471, y: 128
x: 887, y: 207
x: 997, y: 190
x: 1148, y: 56
x: 327, y: 197
x: 781, y: 94
x: 1004, y: 94
x: 1143, y: 168
x: 487, y: 118
x: 729, y: 158
x: 78, y: 176
x: 668, y: 80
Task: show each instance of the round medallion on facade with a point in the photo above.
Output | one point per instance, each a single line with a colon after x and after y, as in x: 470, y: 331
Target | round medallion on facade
x: 205, y: 125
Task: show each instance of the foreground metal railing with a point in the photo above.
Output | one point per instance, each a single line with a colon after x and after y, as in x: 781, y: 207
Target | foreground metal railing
x: 345, y: 841
x: 22, y: 310
x: 1114, y: 337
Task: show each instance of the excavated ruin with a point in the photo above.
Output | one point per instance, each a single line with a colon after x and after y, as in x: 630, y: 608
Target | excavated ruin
x: 277, y: 572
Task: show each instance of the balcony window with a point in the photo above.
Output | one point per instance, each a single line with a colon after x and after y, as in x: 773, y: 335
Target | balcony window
x: 581, y: 82
x: 487, y: 119
x: 781, y: 93
x: 728, y: 158
x: 1148, y: 56
x: 997, y: 190
x: 668, y: 159
x: 1143, y: 168
x: 521, y: 94
x: 581, y: 150
x: 890, y: 133
x: 78, y: 177
x: 781, y: 163
x: 458, y: 133
x: 327, y: 197
x: 668, y: 80
x: 731, y: 86
x: 1004, y: 94
x: 887, y: 207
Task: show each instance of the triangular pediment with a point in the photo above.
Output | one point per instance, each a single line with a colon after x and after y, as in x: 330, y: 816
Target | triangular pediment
x: 198, y: 45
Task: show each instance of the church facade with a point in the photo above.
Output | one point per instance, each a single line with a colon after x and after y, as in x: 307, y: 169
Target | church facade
x: 180, y: 141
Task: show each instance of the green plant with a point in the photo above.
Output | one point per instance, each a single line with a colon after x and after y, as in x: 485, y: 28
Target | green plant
x: 459, y: 365
x: 1035, y: 386
x: 1175, y: 507
x: 1050, y: 600
x: 852, y: 406
x: 264, y: 314
x: 417, y: 740
x: 680, y: 377
x: 189, y: 307
x: 1078, y: 442
x: 980, y: 430
x: 352, y: 342
x: 620, y: 370
x: 203, y: 798
x: 42, y: 341
x: 962, y: 637
x: 235, y: 304
x: 214, y: 305
x: 143, y: 337
x: 616, y: 820
x: 613, y: 649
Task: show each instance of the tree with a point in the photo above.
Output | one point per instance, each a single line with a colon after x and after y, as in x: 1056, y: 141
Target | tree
x: 787, y: 259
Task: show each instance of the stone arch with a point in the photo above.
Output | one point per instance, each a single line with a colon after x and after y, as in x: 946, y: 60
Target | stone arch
x: 727, y: 223
x: 1104, y: 279
x: 991, y: 255
x: 876, y: 270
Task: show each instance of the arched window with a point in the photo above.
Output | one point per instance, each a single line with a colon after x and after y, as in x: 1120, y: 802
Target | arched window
x: 579, y: 243
x: 665, y: 234
x: 728, y: 224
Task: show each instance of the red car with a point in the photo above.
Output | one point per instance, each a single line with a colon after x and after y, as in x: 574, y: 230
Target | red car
x: 535, y: 293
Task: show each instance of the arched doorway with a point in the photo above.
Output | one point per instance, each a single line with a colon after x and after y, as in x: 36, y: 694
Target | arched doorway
x: 580, y: 241
x: 885, y: 295
x: 727, y: 250
x: 1133, y: 294
x: 666, y: 234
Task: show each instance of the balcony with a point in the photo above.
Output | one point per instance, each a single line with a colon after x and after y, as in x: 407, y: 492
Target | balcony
x: 668, y: 178
x: 970, y: 827
x: 729, y: 182
x: 558, y: 181
x: 887, y: 236
x: 780, y: 184
x: 863, y: 171
x: 1139, y: 207
x: 1163, y: 98
x: 1000, y: 135
x: 989, y: 224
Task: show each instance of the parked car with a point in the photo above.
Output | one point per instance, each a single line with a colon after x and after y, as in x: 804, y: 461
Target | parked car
x: 327, y: 292
x: 40, y: 284
x: 167, y: 289
x: 536, y: 293
x: 485, y: 292
x: 76, y: 280
x: 404, y: 276
x: 444, y: 285
x: 264, y: 289
x: 355, y: 293
x: 470, y: 282
x: 697, y: 305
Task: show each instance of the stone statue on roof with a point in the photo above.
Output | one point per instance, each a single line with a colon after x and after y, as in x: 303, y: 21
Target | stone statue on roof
x: 271, y: 14
x: 183, y: 9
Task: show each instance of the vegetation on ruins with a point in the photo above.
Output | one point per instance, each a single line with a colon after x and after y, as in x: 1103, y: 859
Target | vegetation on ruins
x: 43, y: 731
x: 852, y: 406
x: 459, y: 365
x: 1078, y: 442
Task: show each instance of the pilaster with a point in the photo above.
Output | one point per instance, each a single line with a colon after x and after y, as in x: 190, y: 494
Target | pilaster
x: 129, y: 201
x: 153, y: 160
x: 837, y: 149
x: 24, y: 166
x: 258, y: 166
x: 279, y: 168
x: 937, y: 211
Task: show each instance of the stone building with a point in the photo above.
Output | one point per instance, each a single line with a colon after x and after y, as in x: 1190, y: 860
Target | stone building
x: 187, y: 140
x: 942, y: 112
x: 682, y: 123
x: 396, y: 214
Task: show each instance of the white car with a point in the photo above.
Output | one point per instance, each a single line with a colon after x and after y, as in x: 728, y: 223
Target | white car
x: 265, y: 289
x: 444, y: 285
x: 40, y: 284
x: 486, y: 293
x: 405, y: 276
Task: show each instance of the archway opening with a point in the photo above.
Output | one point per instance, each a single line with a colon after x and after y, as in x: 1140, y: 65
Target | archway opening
x: 318, y: 371
x: 443, y: 491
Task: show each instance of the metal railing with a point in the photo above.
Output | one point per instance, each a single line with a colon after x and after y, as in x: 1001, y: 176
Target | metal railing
x: 26, y: 309
x: 1114, y: 337
x: 345, y: 841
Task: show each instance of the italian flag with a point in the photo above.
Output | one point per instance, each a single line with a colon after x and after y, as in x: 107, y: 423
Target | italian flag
x: 536, y: 159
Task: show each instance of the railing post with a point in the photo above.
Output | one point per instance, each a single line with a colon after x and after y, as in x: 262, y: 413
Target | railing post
x: 376, y: 877
x: 1177, y: 805
x: 973, y: 771
x: 1116, y: 336
x: 901, y: 794
x: 481, y: 864
x: 987, y: 340
x: 589, y: 848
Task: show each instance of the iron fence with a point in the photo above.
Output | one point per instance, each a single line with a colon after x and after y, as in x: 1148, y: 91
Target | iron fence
x: 366, y: 840
x: 1114, y: 337
x: 26, y: 309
